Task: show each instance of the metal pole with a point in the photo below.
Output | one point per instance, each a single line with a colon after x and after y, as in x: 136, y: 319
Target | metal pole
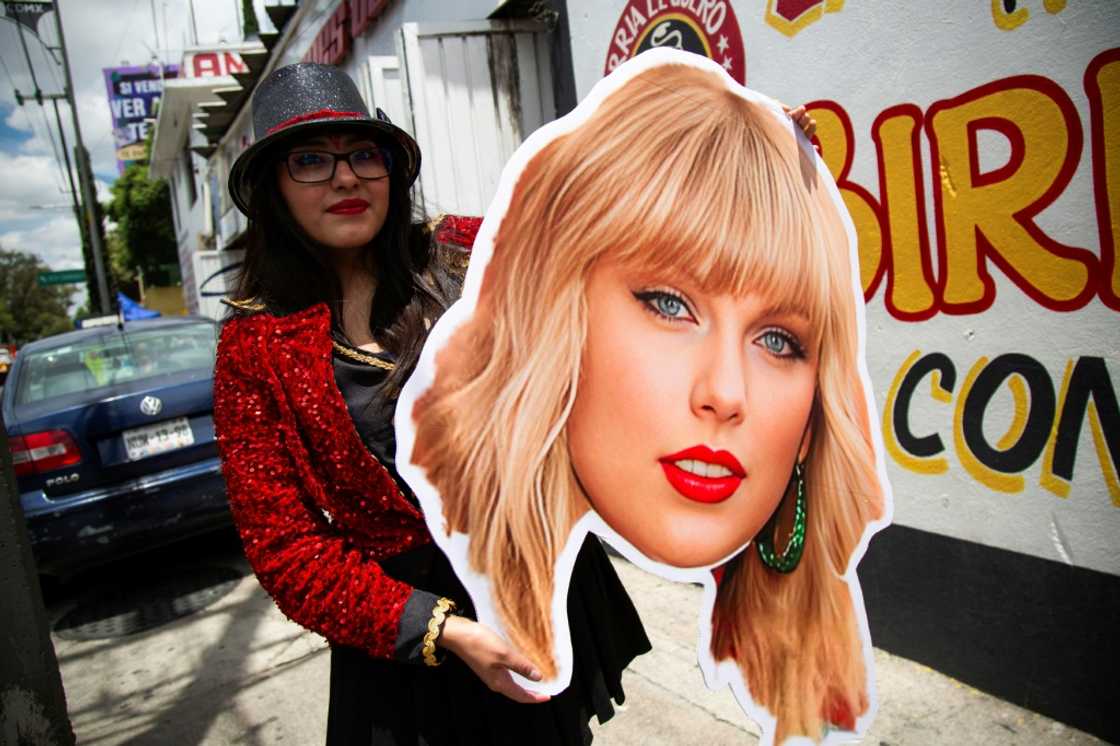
x: 194, y: 24
x: 66, y: 157
x: 69, y: 172
x: 30, y: 67
x: 28, y: 664
x: 155, y: 25
x: 85, y: 175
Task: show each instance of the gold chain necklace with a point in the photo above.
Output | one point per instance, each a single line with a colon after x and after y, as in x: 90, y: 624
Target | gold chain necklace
x: 362, y: 357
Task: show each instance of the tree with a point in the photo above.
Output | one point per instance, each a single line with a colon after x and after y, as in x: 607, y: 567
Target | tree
x: 144, y: 237
x: 29, y: 311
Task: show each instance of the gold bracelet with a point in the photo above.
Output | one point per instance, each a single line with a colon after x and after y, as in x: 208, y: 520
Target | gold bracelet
x: 443, y: 607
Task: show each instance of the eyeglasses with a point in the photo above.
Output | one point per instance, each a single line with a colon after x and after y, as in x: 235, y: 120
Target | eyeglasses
x: 315, y: 166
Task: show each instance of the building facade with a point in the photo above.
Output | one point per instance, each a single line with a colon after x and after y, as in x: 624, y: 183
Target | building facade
x: 977, y: 146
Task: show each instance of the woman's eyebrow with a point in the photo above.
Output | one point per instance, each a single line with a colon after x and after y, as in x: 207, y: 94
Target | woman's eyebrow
x: 788, y: 310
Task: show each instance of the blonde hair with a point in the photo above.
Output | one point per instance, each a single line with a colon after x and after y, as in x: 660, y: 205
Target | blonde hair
x: 676, y: 173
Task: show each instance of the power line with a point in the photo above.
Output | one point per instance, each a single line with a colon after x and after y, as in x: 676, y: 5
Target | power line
x: 64, y: 162
x: 27, y: 56
x: 116, y: 59
x: 54, y: 148
x: 60, y: 183
x: 50, y: 59
x: 8, y: 72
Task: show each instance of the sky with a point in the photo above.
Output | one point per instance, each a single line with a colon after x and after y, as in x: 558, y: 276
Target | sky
x: 35, y: 207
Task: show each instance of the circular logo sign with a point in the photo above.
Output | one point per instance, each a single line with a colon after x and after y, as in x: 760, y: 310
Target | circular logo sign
x: 151, y: 405
x: 706, y: 27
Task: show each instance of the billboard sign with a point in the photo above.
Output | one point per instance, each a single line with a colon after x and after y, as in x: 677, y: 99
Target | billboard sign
x: 134, y: 94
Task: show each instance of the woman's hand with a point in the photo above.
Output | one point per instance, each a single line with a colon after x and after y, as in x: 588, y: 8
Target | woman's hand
x: 490, y: 657
x: 801, y: 118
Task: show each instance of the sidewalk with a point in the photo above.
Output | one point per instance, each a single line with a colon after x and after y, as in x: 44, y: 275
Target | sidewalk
x: 238, y: 672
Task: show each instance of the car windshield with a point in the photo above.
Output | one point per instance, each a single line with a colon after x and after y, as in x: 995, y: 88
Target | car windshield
x: 115, y: 358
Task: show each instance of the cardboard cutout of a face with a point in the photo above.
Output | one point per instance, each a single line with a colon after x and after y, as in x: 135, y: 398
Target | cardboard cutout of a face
x: 661, y: 341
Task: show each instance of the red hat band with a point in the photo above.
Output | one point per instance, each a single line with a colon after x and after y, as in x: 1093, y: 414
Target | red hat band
x: 316, y: 116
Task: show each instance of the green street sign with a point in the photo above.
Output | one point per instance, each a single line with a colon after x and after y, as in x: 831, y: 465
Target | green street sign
x: 65, y: 277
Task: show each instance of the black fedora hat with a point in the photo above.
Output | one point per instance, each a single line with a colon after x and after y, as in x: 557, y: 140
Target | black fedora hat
x: 296, y: 99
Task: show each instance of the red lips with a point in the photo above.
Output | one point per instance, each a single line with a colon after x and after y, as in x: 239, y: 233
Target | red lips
x: 349, y: 207
x: 703, y: 489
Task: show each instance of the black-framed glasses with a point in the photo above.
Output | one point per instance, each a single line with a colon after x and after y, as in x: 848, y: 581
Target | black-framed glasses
x: 315, y: 166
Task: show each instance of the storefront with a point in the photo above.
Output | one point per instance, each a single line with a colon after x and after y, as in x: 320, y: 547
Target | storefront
x: 179, y: 155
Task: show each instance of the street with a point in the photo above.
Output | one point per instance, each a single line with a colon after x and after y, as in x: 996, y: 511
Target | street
x: 237, y: 672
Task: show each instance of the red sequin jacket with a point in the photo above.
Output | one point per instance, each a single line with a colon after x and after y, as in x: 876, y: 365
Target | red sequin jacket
x: 314, y: 508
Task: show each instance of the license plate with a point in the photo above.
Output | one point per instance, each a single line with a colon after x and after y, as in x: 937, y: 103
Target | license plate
x: 161, y: 437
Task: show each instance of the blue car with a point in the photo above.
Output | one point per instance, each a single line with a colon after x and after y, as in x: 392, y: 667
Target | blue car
x: 112, y: 439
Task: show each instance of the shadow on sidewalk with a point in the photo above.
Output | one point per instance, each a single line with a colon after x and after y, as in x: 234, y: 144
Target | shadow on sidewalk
x: 153, y: 651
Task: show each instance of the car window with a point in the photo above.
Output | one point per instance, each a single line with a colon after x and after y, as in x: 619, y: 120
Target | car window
x: 115, y: 358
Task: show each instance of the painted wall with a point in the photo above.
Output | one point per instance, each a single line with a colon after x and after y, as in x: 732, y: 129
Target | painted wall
x: 979, y: 153
x: 379, y: 36
x: 189, y: 220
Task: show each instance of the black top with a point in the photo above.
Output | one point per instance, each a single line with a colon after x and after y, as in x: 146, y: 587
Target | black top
x: 372, y: 415
x: 385, y: 702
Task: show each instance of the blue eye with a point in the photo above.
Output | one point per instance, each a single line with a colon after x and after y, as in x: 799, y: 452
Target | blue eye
x: 669, y: 306
x: 780, y: 344
x: 366, y: 155
x: 665, y: 304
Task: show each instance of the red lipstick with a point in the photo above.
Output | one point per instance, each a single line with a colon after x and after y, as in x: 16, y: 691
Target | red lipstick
x: 349, y: 207
x: 698, y: 487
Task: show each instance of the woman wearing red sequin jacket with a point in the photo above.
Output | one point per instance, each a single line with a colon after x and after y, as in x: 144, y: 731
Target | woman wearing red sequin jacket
x: 333, y: 303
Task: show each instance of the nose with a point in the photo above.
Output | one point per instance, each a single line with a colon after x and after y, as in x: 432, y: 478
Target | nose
x: 344, y: 176
x: 719, y: 391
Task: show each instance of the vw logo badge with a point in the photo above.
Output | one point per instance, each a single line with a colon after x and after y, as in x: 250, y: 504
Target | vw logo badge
x: 151, y: 405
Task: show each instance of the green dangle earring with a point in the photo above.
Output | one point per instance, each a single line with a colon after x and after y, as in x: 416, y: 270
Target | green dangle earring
x: 787, y: 561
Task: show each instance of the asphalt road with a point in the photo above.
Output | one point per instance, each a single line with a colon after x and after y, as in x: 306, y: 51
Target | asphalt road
x: 208, y: 659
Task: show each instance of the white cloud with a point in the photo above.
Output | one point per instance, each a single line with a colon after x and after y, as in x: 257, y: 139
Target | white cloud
x: 30, y: 182
x: 55, y: 240
x: 20, y: 118
x: 97, y: 131
x: 17, y: 119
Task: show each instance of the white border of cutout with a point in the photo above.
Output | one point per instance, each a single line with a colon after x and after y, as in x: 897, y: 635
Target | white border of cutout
x: 455, y: 546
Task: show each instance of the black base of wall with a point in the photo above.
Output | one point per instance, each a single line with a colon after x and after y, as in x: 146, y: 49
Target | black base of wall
x: 1037, y: 633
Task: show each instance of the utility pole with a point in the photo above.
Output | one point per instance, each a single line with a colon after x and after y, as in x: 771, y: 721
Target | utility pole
x: 35, y: 702
x: 194, y: 24
x: 81, y: 155
x: 85, y: 173
x: 69, y: 173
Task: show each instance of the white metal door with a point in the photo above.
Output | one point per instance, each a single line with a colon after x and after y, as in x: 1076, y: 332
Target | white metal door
x: 475, y: 90
x: 383, y: 88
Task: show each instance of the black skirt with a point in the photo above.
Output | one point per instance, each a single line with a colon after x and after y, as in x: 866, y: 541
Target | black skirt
x: 379, y: 702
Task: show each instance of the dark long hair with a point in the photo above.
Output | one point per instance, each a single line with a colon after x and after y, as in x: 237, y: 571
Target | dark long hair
x: 287, y: 271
